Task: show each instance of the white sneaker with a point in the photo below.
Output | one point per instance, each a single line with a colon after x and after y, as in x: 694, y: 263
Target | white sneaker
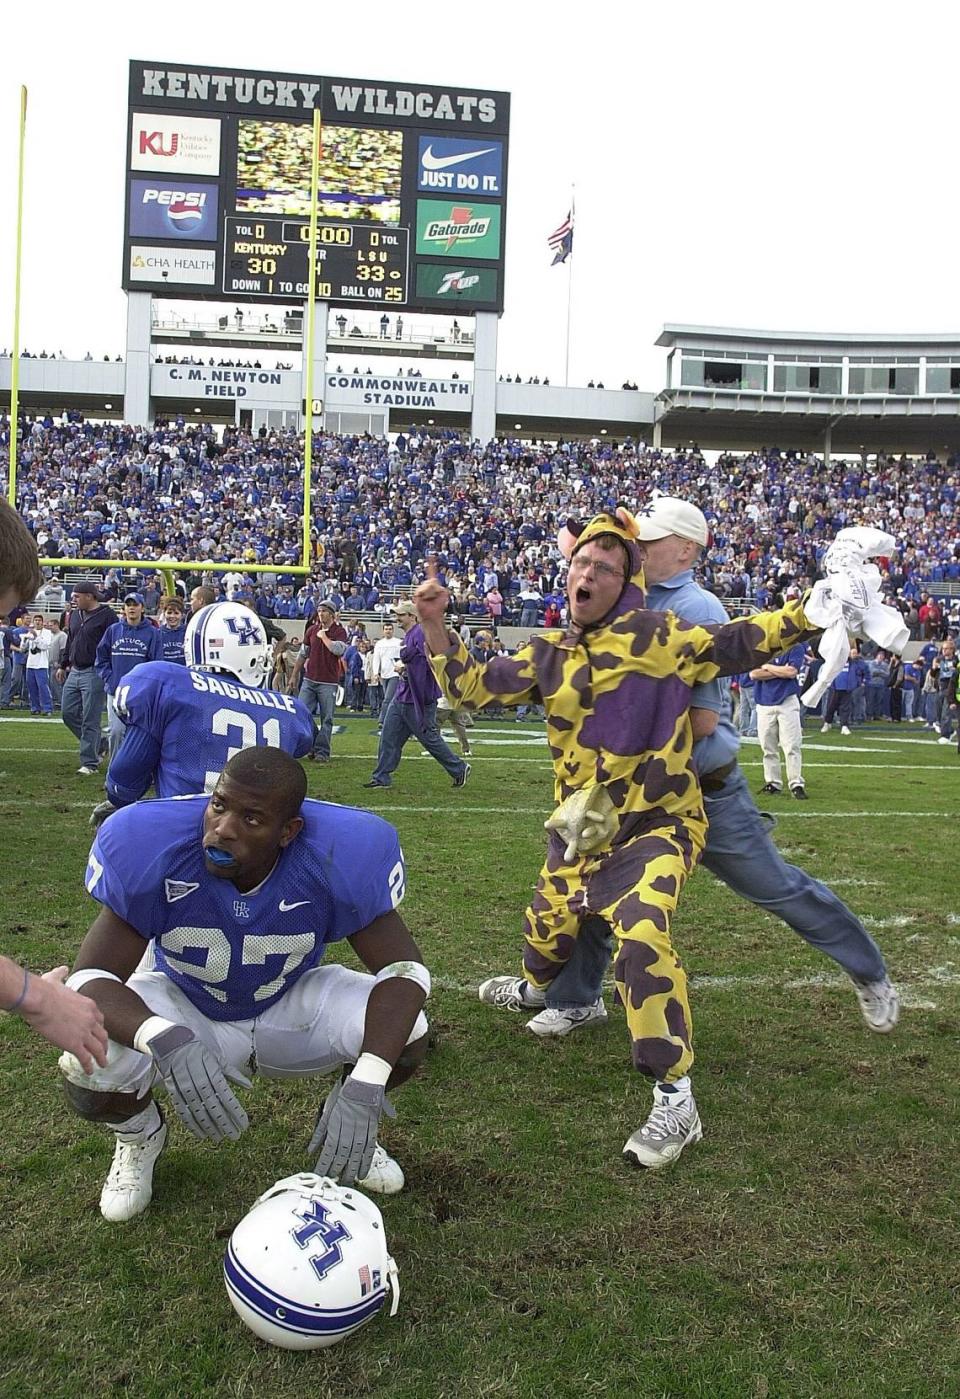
x: 511, y: 993
x: 669, y: 1128
x: 824, y: 728
x: 945, y: 740
x: 384, y: 1176
x: 844, y: 730
x: 128, y: 1189
x: 552, y: 1023
x: 879, y: 1004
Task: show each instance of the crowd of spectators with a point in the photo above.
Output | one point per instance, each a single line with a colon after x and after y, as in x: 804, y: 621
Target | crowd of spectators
x: 486, y: 514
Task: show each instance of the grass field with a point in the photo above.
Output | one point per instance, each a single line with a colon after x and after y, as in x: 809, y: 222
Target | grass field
x: 808, y: 1246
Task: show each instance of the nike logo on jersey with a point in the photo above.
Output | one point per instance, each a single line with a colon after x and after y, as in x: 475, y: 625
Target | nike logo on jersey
x: 285, y: 907
x: 178, y: 889
x: 440, y: 162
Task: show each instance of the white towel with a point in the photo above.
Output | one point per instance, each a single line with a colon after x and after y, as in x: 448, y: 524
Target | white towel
x: 847, y: 603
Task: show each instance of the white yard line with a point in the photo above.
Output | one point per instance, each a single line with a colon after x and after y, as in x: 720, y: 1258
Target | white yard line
x: 910, y: 989
x: 541, y: 811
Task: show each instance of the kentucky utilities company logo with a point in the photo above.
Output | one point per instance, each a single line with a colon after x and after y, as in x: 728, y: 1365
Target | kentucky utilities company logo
x: 458, y: 229
x: 168, y: 141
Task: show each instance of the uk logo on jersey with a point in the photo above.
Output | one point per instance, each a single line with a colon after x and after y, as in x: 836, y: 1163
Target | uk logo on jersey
x: 241, y: 909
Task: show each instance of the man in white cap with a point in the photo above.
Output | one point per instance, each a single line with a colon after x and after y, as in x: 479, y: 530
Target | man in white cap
x: 739, y: 849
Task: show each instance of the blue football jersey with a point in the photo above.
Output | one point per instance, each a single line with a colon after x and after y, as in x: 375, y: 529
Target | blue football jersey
x: 235, y: 954
x: 191, y: 723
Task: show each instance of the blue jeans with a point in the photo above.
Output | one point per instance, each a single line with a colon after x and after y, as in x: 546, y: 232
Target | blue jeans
x: 945, y: 701
x: 741, y: 853
x: 6, y: 683
x: 529, y: 613
x: 858, y: 700
x: 320, y: 697
x: 400, y: 722
x: 38, y: 686
x: 747, y: 717
x: 82, y: 708
x: 389, y: 690
x: 878, y: 705
x: 56, y: 689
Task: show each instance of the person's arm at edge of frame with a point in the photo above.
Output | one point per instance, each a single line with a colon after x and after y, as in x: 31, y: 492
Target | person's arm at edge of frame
x: 62, y: 1016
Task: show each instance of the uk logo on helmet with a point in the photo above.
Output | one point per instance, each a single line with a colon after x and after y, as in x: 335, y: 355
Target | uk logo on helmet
x: 245, y: 632
x: 319, y: 1228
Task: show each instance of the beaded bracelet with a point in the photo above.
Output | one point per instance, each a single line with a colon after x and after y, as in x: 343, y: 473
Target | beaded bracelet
x: 23, y: 994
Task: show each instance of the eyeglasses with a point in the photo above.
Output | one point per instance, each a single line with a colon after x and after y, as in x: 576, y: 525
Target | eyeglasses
x: 603, y: 570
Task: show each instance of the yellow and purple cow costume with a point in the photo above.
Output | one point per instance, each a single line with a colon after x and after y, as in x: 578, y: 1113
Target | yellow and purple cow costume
x: 617, y: 696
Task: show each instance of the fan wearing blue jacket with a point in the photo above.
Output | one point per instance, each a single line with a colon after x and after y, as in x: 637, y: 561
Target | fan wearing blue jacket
x: 126, y: 644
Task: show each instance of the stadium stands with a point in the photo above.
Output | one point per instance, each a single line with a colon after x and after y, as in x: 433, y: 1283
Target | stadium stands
x: 488, y: 512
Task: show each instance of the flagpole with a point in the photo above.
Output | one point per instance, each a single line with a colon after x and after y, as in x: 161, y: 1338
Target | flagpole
x: 566, y: 367
x: 15, y: 351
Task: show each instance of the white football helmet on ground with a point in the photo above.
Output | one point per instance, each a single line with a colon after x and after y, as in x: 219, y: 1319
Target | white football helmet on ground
x: 228, y: 637
x: 309, y: 1264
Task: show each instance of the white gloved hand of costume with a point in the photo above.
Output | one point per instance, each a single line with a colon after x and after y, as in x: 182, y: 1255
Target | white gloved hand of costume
x: 848, y: 602
x: 584, y: 822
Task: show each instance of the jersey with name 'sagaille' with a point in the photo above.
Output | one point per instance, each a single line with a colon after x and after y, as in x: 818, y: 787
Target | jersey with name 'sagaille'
x: 234, y: 954
x: 184, y: 725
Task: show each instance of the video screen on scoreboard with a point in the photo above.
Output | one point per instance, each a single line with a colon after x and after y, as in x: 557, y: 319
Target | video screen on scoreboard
x: 359, y: 172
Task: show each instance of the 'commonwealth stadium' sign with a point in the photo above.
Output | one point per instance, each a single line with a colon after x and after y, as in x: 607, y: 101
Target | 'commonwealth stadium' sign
x: 345, y: 390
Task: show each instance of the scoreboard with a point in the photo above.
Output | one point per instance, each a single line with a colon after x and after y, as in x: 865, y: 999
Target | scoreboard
x: 355, y: 262
x: 411, y: 195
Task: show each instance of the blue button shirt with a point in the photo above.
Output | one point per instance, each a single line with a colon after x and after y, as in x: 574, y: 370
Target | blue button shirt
x: 776, y: 691
x: 692, y: 603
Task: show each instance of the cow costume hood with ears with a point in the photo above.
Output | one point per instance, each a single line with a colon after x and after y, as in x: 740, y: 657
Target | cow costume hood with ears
x: 622, y: 526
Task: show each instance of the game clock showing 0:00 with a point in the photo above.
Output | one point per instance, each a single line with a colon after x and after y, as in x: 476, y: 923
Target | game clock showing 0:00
x: 355, y: 262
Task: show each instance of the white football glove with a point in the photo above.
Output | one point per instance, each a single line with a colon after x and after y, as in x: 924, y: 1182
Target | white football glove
x: 586, y: 821
x: 197, y: 1085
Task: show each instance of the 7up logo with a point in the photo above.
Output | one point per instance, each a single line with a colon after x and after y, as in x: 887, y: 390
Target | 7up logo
x: 458, y: 281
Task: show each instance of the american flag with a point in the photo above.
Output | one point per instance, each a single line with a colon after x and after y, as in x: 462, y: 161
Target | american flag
x: 561, y: 240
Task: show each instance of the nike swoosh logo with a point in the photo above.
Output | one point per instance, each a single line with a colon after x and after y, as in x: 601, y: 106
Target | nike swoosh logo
x: 285, y: 907
x: 429, y: 161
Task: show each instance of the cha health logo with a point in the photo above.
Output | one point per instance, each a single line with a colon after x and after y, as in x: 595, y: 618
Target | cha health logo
x: 173, y: 266
x: 161, y: 209
x: 168, y: 141
x: 458, y: 230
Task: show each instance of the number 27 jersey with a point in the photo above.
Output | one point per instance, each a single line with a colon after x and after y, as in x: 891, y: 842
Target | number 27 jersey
x: 198, y: 721
x: 234, y: 955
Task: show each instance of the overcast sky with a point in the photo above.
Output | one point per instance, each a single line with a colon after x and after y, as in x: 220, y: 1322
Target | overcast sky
x: 757, y: 164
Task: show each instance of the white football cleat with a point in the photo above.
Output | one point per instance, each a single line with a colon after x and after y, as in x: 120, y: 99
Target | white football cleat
x: 825, y: 728
x: 128, y: 1189
x: 844, y: 730
x: 511, y: 993
x: 384, y: 1176
x: 555, y: 1022
x: 879, y: 1004
x: 670, y: 1127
